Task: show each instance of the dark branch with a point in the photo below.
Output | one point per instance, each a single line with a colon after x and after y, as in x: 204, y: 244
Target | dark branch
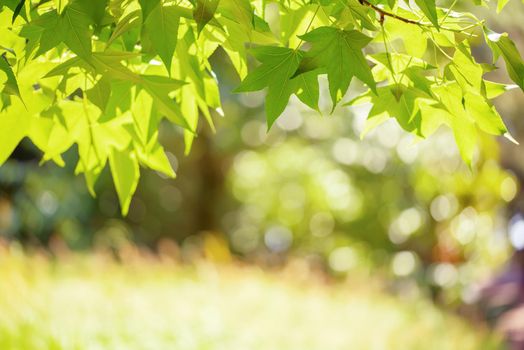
x: 387, y: 14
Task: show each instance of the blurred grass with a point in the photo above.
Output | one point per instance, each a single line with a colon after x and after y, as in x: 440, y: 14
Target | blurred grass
x: 92, y: 302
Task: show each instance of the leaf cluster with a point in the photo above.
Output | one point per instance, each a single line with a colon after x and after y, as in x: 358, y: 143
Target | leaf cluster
x: 102, y: 74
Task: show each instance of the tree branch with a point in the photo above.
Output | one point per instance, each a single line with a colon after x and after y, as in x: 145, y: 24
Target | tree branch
x: 383, y: 13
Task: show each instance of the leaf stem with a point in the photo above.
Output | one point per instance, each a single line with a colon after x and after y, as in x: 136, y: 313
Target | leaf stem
x: 308, y: 26
x: 448, y: 12
x: 388, y: 57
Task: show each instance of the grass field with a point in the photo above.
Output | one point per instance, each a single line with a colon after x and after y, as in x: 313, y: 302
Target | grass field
x: 92, y: 302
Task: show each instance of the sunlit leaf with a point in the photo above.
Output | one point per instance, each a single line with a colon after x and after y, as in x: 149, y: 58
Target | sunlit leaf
x: 339, y: 54
x: 204, y: 12
x: 163, y: 19
x: 124, y: 167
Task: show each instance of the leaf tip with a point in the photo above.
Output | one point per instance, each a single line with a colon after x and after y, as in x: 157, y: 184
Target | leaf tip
x: 508, y: 136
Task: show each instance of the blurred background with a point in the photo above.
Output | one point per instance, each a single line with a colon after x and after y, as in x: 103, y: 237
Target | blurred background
x: 387, y: 236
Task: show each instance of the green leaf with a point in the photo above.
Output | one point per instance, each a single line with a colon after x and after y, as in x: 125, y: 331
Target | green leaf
x: 396, y: 101
x: 429, y: 9
x: 52, y: 35
x: 50, y: 137
x: 466, y: 136
x: 109, y: 64
x: 13, y: 127
x: 484, y: 114
x: 95, y: 10
x: 395, y: 66
x: 189, y: 108
x: 278, y: 66
x: 156, y: 159
x: 11, y: 4
x: 307, y: 89
x: 99, y: 93
x: 146, y: 120
x: 10, y: 85
x: 60, y: 5
x: 204, y: 12
x: 130, y: 21
x: 501, y: 4
x: 147, y: 6
x: 352, y: 14
x: 125, y: 171
x: 43, y: 33
x: 64, y: 67
x: 120, y: 99
x: 17, y: 10
x: 74, y: 24
x: 157, y: 86
x: 339, y: 54
x: 162, y: 84
x: 413, y: 37
x: 466, y: 71
x: 294, y: 22
x: 239, y: 11
x: 161, y: 28
x: 461, y: 122
x: 160, y: 88
x: 503, y: 46
x: 494, y: 90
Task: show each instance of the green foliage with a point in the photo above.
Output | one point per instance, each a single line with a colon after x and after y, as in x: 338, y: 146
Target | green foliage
x: 339, y: 54
x: 10, y: 86
x: 502, y: 45
x: 165, y: 20
x: 429, y: 9
x: 278, y: 66
x: 102, y: 74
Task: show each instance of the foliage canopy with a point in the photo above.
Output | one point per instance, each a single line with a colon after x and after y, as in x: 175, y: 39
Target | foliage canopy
x: 102, y: 74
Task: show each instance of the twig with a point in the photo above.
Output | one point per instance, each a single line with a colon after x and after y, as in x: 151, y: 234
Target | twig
x: 388, y: 14
x: 384, y: 14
